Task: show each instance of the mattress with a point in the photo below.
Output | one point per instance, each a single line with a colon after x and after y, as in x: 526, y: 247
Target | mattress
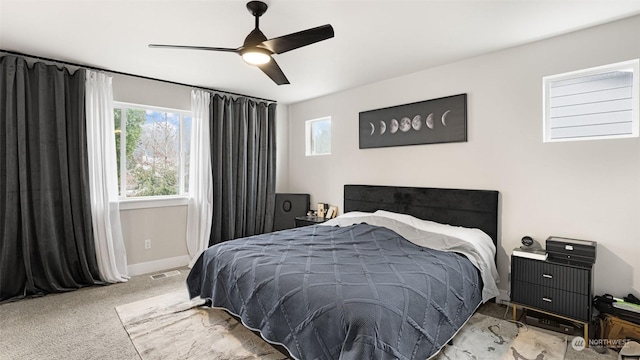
x: 354, y: 291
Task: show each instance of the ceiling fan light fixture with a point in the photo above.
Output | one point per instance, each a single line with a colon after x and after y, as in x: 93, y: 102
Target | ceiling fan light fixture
x: 256, y: 56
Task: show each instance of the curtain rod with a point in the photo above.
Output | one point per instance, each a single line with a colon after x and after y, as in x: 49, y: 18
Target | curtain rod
x: 128, y: 74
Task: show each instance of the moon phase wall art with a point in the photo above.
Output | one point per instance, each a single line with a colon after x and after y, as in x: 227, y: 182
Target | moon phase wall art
x: 433, y: 121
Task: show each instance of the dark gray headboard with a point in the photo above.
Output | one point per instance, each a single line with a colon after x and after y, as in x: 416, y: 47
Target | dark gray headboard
x: 468, y: 208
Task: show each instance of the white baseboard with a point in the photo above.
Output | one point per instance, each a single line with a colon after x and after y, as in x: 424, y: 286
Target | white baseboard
x: 158, y: 265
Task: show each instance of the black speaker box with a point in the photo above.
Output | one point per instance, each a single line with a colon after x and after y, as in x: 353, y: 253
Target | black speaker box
x: 288, y: 207
x: 583, y: 251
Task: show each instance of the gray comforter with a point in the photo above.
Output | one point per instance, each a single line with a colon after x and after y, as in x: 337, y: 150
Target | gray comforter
x: 355, y: 292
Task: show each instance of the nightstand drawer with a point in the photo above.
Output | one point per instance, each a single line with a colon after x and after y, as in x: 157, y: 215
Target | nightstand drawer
x: 567, y: 278
x: 557, y: 301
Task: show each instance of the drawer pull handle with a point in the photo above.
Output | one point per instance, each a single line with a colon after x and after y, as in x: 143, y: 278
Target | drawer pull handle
x: 547, y: 276
x: 546, y: 299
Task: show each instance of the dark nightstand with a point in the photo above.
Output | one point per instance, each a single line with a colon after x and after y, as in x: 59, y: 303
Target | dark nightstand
x: 562, y: 289
x: 309, y: 220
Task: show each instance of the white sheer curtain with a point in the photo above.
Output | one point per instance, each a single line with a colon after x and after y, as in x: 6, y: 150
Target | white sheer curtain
x: 103, y: 187
x: 200, y: 206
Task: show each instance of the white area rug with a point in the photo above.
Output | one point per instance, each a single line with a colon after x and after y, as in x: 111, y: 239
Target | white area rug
x: 172, y: 327
x: 486, y: 337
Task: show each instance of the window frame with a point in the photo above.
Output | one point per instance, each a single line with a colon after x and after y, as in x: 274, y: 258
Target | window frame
x: 309, y: 139
x: 630, y: 65
x: 136, y: 202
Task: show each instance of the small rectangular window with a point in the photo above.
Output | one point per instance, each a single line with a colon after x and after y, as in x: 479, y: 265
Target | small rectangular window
x: 318, y: 136
x: 596, y: 103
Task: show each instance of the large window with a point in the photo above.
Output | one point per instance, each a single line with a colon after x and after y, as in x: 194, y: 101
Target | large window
x: 153, y: 150
x: 596, y: 103
x: 318, y: 136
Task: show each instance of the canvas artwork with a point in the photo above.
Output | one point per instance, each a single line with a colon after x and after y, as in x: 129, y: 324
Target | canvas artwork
x: 433, y: 121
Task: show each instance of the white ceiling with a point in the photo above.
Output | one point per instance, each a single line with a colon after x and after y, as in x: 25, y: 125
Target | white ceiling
x: 374, y: 40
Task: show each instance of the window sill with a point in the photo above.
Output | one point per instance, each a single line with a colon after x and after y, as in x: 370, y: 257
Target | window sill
x: 153, y: 202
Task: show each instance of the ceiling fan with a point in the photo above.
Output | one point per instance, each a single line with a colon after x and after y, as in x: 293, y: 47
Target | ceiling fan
x: 258, y: 50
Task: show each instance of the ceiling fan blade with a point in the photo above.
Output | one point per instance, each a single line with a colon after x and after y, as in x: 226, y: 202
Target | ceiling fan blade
x: 193, y: 47
x: 299, y: 39
x: 274, y: 72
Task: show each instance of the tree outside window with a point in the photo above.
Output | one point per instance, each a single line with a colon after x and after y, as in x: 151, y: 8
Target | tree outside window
x: 153, y: 151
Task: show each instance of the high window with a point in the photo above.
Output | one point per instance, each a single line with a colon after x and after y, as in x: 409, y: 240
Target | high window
x: 595, y: 103
x: 153, y: 150
x: 318, y: 136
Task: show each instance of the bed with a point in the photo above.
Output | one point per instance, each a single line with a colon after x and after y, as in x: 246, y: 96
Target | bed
x: 395, y: 277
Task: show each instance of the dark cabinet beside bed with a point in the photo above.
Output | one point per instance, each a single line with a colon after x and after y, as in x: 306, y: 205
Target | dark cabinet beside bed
x: 561, y: 289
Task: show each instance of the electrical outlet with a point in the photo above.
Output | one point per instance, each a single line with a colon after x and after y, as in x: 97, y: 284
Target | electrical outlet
x: 147, y: 244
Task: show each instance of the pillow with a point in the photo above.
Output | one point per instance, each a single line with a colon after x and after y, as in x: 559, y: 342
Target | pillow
x: 346, y: 216
x: 432, y: 226
x: 352, y: 214
x: 476, y: 245
x: 474, y: 236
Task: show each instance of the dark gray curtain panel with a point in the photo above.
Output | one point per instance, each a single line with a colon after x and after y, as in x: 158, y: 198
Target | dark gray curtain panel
x: 243, y: 160
x: 46, y: 241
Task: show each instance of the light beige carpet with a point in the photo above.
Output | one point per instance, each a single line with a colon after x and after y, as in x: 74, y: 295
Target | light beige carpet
x: 172, y: 327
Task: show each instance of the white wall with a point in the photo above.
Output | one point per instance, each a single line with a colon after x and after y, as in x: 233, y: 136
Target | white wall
x: 583, y: 189
x: 166, y: 226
